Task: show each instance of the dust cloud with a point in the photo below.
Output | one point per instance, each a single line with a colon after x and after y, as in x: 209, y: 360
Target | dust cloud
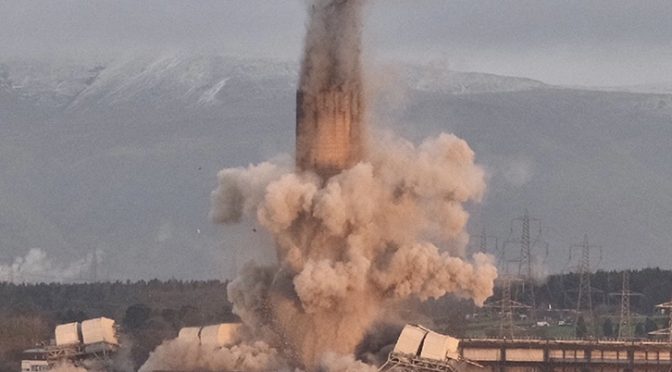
x: 350, y: 243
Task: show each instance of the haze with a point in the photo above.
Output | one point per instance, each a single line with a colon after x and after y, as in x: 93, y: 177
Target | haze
x: 596, y: 42
x: 115, y: 118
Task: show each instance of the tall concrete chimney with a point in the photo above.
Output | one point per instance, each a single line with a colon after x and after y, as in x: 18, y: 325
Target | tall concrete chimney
x: 328, y: 130
x: 329, y: 102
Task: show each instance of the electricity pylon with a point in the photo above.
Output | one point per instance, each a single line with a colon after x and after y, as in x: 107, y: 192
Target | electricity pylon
x: 506, y: 315
x: 527, y: 242
x: 625, y: 321
x: 585, y: 299
x: 484, y: 243
x: 506, y: 305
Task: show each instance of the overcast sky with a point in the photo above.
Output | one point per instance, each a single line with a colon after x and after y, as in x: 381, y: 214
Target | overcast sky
x: 572, y: 42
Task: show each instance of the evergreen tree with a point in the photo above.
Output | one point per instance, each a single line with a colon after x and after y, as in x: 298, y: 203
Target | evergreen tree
x: 649, y: 325
x: 608, y: 328
x: 639, y: 330
x: 581, y: 329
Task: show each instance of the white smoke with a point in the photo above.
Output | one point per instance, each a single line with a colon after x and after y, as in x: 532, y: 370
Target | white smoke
x: 36, y: 266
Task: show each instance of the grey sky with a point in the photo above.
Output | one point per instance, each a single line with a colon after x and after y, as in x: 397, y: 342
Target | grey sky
x: 587, y: 42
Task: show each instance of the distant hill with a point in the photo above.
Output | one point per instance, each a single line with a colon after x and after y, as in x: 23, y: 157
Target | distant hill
x: 120, y: 157
x: 658, y: 88
x: 441, y: 80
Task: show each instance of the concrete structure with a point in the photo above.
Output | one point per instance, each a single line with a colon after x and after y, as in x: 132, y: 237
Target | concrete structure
x: 567, y: 355
x: 216, y: 335
x: 419, y: 349
x: 34, y: 361
x: 220, y: 335
x: 328, y: 130
x: 67, y: 334
x: 189, y: 334
x: 99, y: 330
x: 93, y: 342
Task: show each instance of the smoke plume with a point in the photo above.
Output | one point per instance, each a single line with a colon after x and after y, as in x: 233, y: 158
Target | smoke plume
x: 359, y: 225
x: 388, y: 229
x: 178, y: 354
x: 36, y: 266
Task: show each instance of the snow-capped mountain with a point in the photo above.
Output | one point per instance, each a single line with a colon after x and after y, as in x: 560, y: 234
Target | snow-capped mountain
x: 442, y: 80
x: 120, y: 156
x: 200, y: 79
x: 176, y: 77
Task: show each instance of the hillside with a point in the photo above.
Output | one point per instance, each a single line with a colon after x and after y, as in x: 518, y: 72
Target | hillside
x: 116, y: 160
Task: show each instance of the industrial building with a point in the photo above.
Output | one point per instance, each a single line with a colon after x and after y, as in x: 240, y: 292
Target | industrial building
x: 420, y: 349
x: 92, y: 341
x: 217, y: 335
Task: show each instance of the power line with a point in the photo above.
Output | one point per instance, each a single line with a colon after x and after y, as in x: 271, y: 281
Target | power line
x: 506, y: 305
x: 528, y: 244
x: 484, y: 243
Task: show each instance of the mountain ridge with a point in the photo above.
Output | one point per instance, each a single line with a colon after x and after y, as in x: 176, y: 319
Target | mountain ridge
x: 121, y: 157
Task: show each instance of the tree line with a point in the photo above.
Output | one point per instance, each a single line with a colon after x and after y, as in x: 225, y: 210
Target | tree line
x: 149, y: 312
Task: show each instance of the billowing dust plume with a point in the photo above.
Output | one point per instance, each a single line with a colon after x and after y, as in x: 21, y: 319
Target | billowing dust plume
x: 179, y: 354
x: 359, y: 226
x: 388, y: 229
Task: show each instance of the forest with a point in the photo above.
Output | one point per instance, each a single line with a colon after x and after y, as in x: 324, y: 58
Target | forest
x: 149, y: 312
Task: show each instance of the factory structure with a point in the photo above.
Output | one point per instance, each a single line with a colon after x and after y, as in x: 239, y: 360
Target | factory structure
x: 420, y: 349
x: 93, y: 341
x: 217, y: 335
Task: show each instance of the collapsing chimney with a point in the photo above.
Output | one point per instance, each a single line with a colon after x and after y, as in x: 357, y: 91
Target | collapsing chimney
x: 328, y: 130
x: 353, y: 245
x: 329, y: 104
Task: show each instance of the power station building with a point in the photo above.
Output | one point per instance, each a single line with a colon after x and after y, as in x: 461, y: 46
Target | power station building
x: 420, y: 349
x: 93, y: 341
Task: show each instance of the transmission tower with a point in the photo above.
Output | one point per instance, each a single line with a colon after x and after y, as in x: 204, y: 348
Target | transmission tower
x: 484, y: 243
x: 506, y: 316
x: 625, y: 322
x: 525, y: 260
x: 525, y: 263
x: 625, y: 319
x: 506, y: 305
x: 585, y: 299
